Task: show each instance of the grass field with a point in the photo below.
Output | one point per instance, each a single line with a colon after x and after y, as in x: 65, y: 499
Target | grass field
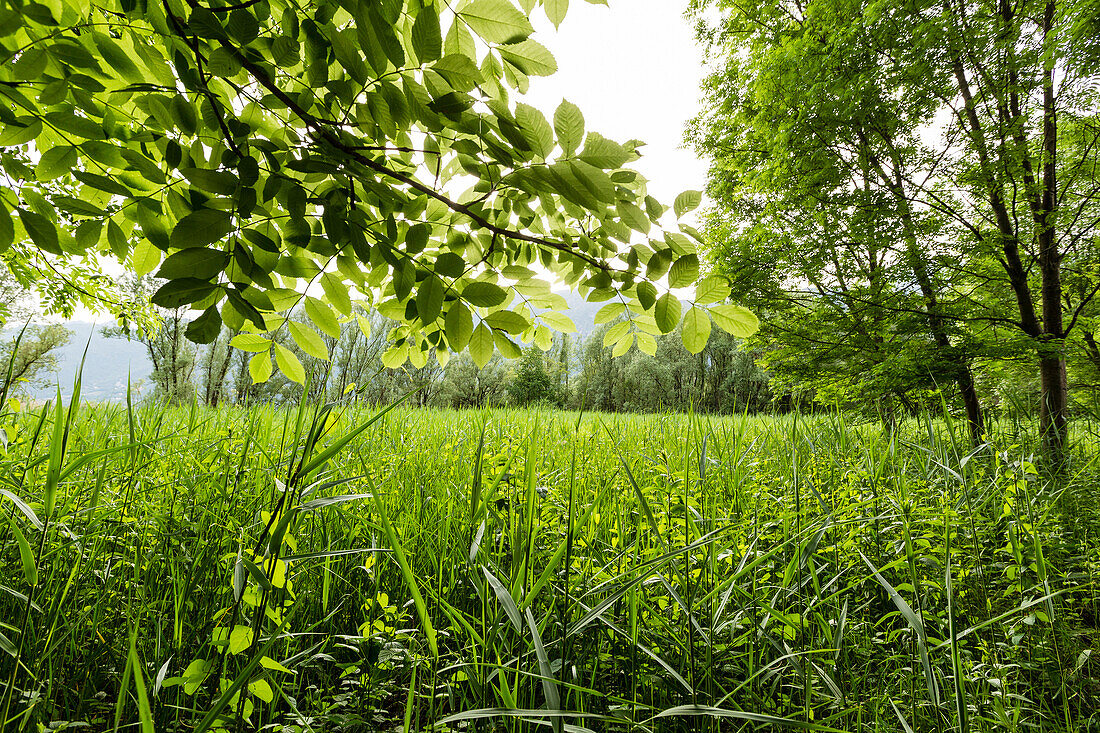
x: 178, y: 569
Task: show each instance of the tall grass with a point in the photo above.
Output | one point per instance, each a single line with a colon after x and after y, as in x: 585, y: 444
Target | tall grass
x: 348, y: 568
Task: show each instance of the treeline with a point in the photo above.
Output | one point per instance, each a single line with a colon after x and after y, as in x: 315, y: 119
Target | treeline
x: 574, y: 372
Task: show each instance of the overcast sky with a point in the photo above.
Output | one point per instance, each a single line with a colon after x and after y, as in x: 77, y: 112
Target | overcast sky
x: 634, y: 70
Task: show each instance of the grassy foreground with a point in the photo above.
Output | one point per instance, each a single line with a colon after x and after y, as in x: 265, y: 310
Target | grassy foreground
x: 295, y: 570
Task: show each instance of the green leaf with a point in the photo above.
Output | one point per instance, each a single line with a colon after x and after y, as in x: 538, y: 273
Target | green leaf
x: 219, y: 182
x: 7, y: 229
x: 633, y: 217
x: 250, y: 342
x: 20, y: 134
x: 685, y: 202
x: 497, y: 21
x: 201, y: 228
x: 429, y: 299
x: 735, y: 320
x: 556, y: 10
x: 507, y: 348
x: 206, y: 328
x: 308, y: 341
x: 261, y: 689
x: 145, y: 257
x: 323, y: 317
x: 288, y: 364
x: 569, y: 126
x: 483, y: 294
x: 199, y: 262
x: 240, y: 639
x: 603, y: 153
x: 41, y: 230
x: 481, y: 345
x: 684, y: 271
x: 459, y: 326
x: 696, y: 330
x: 427, y: 39
x: 56, y: 162
x: 26, y: 555
x: 647, y: 295
x: 712, y: 289
x: 460, y: 72
x: 530, y: 57
x: 609, y: 312
x: 667, y: 312
x: 259, y: 366
x: 508, y: 321
x: 536, y: 129
x: 178, y: 293
x: 558, y: 321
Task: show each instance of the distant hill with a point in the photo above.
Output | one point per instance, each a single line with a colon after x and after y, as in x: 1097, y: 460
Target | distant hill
x: 110, y: 361
x: 106, y: 367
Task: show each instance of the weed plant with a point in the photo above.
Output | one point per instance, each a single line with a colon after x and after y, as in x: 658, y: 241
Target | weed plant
x: 348, y: 568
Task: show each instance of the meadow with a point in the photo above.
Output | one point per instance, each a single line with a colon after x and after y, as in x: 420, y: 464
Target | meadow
x: 356, y: 568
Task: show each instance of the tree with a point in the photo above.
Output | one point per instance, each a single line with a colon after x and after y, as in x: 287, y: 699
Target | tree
x: 532, y: 382
x: 992, y: 218
x: 163, y: 333
x: 245, y: 151
x: 29, y: 353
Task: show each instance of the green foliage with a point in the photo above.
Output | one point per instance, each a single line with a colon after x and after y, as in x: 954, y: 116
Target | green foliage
x: 253, y: 150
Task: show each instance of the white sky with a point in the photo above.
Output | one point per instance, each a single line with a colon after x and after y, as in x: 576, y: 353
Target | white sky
x: 634, y: 70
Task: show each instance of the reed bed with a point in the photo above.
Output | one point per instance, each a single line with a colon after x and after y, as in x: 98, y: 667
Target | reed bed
x: 352, y: 568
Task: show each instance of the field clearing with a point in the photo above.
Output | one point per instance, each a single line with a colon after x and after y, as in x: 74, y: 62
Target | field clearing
x: 181, y: 569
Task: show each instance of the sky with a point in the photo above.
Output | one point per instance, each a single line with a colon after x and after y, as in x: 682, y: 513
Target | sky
x: 634, y: 70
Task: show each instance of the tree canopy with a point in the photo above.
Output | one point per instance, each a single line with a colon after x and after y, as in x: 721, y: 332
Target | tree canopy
x: 263, y: 155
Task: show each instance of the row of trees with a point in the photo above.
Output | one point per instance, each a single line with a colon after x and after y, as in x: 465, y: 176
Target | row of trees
x: 571, y: 373
x: 910, y: 193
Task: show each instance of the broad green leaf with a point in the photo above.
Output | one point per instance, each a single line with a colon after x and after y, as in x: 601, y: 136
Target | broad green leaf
x: 483, y: 294
x: 261, y: 689
x: 7, y: 229
x: 686, y: 201
x: 336, y: 292
x: 633, y: 217
x: 323, y: 317
x: 696, y: 330
x: 712, y: 289
x: 197, y: 262
x: 507, y: 348
x: 201, y: 228
x: 569, y: 127
x: 610, y: 312
x: 558, y: 321
x: 497, y: 21
x: 308, y: 341
x: 481, y: 345
x: 459, y: 326
x: 556, y: 10
x: 667, y: 312
x: 460, y: 72
x: 530, y: 57
x: 616, y: 332
x: 20, y: 134
x: 427, y: 39
x: 178, y: 293
x: 250, y: 342
x: 145, y: 257
x: 56, y: 162
x: 259, y: 366
x: 647, y: 344
x: 536, y: 129
x: 206, y: 328
x: 508, y: 321
x: 429, y: 299
x: 240, y: 639
x: 647, y: 295
x: 622, y: 345
x: 603, y: 153
x: 42, y: 231
x: 735, y: 320
x: 684, y: 271
x: 288, y: 363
